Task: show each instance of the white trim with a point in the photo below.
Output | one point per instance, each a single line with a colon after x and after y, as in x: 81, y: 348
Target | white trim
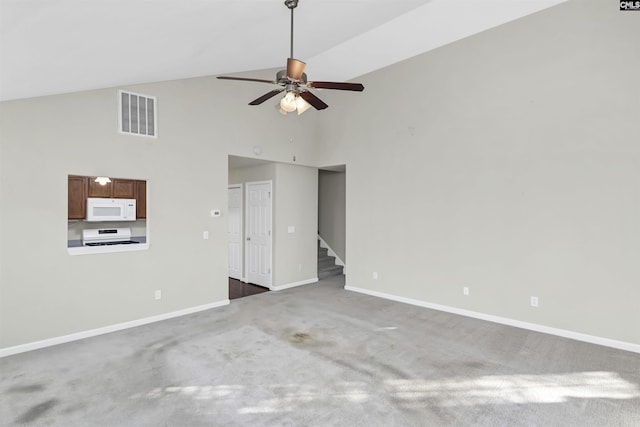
x: 622, y: 345
x: 242, y: 246
x: 88, y: 250
x: 8, y: 351
x: 330, y: 252
x: 294, y: 284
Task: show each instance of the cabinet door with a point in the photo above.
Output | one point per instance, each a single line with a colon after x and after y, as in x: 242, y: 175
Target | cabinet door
x: 77, y: 197
x: 141, y: 199
x: 123, y: 189
x: 98, y: 190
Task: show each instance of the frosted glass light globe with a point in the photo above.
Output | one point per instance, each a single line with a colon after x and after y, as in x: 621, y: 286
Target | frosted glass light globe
x: 288, y: 103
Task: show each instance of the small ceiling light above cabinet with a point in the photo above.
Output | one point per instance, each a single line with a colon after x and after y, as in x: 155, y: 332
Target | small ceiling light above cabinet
x: 103, y: 180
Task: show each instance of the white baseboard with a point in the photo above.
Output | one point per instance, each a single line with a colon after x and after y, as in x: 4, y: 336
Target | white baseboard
x: 8, y: 351
x: 294, y: 284
x: 330, y: 252
x: 622, y: 345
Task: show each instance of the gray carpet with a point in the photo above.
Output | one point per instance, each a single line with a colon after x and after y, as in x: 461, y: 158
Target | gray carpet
x: 321, y: 356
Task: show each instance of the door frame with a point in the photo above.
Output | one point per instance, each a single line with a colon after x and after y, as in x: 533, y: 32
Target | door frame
x: 246, y: 216
x: 241, y: 187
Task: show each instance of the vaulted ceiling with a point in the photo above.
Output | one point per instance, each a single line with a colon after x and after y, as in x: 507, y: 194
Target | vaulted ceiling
x: 58, y: 46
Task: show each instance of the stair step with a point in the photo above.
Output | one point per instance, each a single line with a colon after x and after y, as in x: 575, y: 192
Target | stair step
x: 326, y: 262
x: 330, y: 271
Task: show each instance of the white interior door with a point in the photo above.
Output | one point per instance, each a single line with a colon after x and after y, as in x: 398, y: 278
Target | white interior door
x: 235, y: 231
x: 258, y: 235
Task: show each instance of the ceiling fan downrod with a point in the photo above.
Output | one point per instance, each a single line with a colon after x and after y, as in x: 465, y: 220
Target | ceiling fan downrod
x: 291, y: 4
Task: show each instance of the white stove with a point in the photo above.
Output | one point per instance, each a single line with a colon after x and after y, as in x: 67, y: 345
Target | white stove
x: 107, y: 237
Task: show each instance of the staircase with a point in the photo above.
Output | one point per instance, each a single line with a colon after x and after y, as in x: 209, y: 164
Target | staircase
x: 327, y: 264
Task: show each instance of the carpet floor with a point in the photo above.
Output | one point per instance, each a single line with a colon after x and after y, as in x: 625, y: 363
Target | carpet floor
x: 318, y: 355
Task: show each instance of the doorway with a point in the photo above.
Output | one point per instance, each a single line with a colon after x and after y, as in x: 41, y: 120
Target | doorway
x: 332, y: 249
x: 238, y: 286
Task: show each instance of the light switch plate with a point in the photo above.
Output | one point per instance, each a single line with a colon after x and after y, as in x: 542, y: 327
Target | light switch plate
x: 291, y: 229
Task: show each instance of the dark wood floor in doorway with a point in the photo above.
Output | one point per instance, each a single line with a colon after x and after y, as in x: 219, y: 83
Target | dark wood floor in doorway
x: 238, y: 289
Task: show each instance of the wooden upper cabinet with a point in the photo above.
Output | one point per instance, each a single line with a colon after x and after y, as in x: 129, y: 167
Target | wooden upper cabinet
x: 141, y: 199
x: 81, y: 187
x: 98, y: 190
x: 123, y: 189
x: 77, y: 197
x: 116, y: 189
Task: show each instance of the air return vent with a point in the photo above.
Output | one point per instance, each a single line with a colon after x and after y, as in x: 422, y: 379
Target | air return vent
x: 137, y: 114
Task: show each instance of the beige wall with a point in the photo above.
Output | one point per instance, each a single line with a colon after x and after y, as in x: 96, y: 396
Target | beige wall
x: 265, y: 172
x: 296, y: 204
x: 332, y: 210
x: 508, y: 162
x: 44, y: 292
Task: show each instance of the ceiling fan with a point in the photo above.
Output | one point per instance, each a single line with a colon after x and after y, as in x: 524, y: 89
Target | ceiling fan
x: 293, y: 81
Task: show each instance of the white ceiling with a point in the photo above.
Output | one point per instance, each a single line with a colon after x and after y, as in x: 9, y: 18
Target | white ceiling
x: 58, y: 46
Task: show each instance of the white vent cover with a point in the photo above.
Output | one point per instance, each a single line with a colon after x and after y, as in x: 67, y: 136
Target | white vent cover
x: 137, y: 114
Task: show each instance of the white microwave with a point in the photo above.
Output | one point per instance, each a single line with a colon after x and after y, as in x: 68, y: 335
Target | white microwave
x: 100, y: 209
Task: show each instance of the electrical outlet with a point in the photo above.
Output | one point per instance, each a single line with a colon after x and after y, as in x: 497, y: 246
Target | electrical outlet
x: 534, y: 301
x: 465, y: 291
x: 299, y: 267
x: 205, y: 235
x: 158, y: 294
x: 375, y: 275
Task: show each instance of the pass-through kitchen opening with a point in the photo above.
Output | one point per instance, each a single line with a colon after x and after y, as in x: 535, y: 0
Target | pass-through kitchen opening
x: 105, y: 211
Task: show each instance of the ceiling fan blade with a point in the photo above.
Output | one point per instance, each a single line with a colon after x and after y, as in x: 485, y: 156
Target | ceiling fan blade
x: 295, y: 69
x: 245, y: 79
x: 316, y: 102
x: 336, y: 85
x: 266, y: 96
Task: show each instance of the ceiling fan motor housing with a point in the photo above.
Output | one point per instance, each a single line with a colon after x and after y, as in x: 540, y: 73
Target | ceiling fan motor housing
x: 281, y: 77
x: 291, y: 87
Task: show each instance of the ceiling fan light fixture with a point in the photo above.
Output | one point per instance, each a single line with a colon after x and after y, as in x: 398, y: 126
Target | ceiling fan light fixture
x: 288, y: 102
x: 302, y: 105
